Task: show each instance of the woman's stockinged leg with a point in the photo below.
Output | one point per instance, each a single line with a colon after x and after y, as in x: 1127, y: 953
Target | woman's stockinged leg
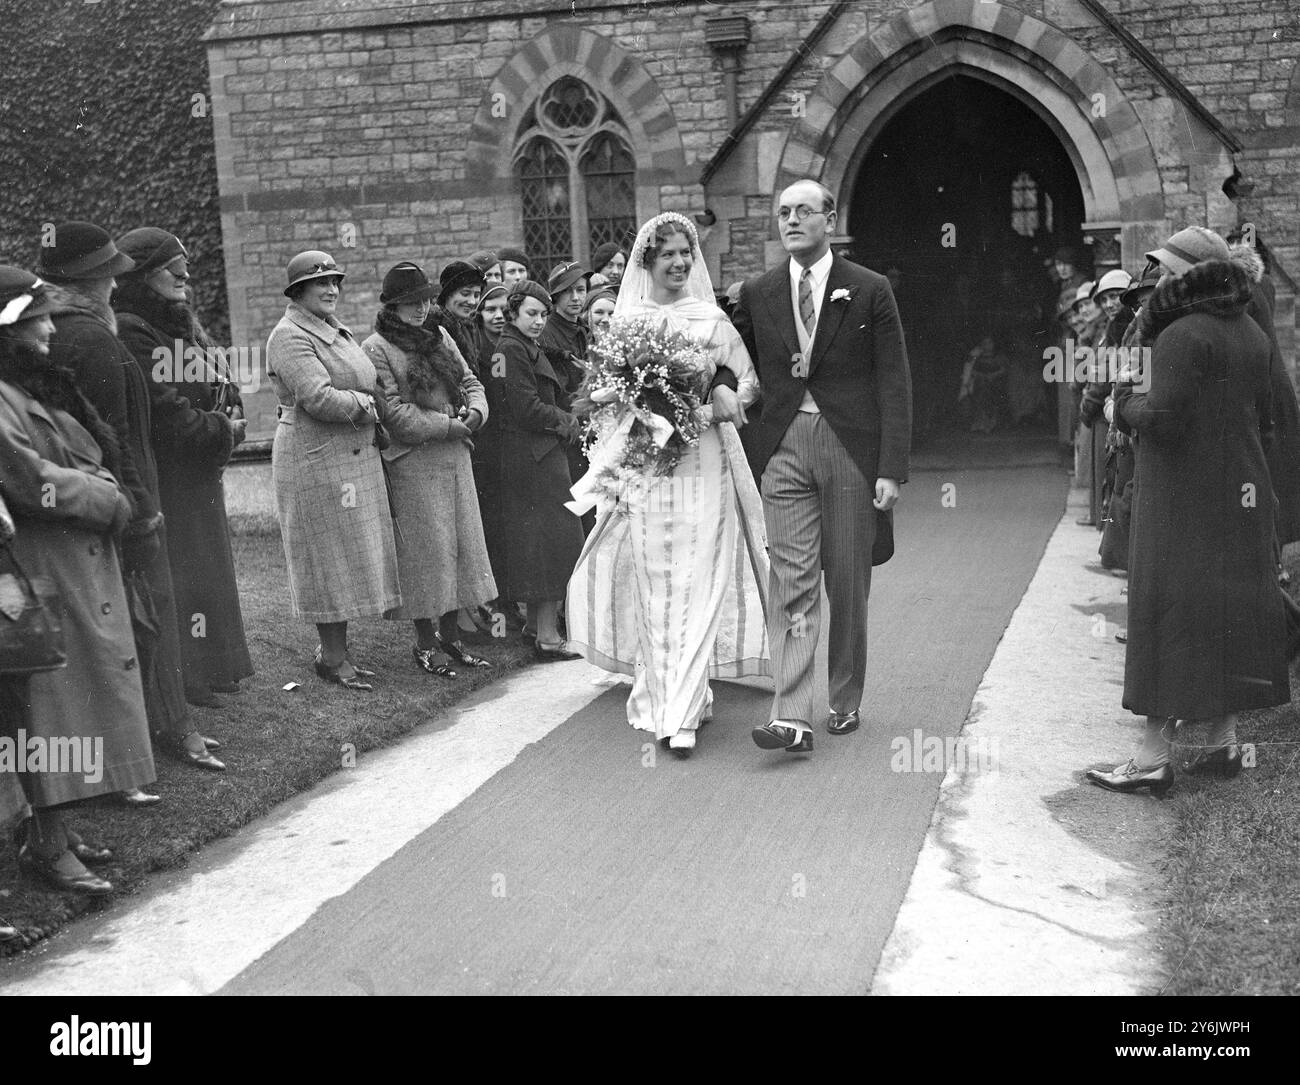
x: 333, y: 642
x: 542, y: 617
x: 1154, y: 751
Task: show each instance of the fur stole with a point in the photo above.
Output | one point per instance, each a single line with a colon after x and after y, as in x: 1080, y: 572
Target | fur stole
x: 68, y: 298
x: 55, y: 387
x: 435, y: 373
x: 171, y: 319
x: 1222, y: 288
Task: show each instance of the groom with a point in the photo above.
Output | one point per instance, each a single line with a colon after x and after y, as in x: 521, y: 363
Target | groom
x: 832, y: 449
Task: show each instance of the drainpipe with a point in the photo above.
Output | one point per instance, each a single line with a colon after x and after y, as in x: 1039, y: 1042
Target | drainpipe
x: 727, y: 36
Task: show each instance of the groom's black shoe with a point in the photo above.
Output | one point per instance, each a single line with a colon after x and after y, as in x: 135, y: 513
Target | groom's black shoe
x: 782, y: 736
x: 842, y: 723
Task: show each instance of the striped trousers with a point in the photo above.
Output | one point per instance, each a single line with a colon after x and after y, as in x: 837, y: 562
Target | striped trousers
x: 820, y: 519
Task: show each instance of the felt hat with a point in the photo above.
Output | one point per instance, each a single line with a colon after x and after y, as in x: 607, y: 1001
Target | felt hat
x: 22, y: 295
x: 82, y: 251
x: 312, y: 264
x: 406, y: 282
x: 1188, y: 248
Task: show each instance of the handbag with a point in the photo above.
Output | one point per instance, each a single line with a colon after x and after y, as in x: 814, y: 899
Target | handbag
x: 31, y: 628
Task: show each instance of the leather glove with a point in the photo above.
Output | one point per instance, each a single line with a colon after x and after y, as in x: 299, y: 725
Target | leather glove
x: 139, y: 549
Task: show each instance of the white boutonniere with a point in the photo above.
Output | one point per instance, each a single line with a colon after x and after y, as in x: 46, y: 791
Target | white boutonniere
x: 842, y: 294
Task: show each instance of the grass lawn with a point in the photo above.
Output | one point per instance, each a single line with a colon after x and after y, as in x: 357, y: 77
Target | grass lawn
x: 1232, y: 923
x: 275, y: 744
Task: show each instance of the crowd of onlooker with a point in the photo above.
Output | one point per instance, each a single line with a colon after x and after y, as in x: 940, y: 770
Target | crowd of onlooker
x: 419, y: 470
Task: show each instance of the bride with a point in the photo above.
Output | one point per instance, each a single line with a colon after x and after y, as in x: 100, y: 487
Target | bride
x: 671, y: 585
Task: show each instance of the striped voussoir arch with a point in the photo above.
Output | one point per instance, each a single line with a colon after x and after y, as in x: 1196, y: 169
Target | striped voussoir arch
x: 918, y: 45
x: 604, y: 65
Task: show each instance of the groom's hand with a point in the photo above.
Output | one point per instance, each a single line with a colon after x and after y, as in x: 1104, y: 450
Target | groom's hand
x: 726, y: 406
x: 887, y: 494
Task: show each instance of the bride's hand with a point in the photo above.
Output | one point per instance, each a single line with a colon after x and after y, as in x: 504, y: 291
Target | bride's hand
x: 726, y: 407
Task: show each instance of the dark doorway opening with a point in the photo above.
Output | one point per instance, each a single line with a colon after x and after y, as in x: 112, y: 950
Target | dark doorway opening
x: 963, y: 199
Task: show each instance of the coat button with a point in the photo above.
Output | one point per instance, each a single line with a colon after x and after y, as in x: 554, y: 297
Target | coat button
x: 106, y: 608
x: 356, y: 452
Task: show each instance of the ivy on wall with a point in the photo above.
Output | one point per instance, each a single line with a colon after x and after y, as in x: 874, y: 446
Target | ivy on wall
x: 99, y: 121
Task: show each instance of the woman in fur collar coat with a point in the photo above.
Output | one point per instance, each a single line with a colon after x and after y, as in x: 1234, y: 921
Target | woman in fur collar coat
x: 435, y: 403
x: 1205, y: 625
x: 192, y: 440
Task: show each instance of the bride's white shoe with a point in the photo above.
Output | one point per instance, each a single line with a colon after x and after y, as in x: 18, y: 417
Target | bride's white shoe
x: 682, y: 743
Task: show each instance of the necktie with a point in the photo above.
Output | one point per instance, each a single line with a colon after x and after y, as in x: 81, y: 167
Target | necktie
x: 807, y: 313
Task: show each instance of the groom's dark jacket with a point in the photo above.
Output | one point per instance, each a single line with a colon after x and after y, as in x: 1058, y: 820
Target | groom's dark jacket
x: 857, y: 371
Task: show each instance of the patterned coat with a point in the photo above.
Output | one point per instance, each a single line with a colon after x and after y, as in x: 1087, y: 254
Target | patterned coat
x: 43, y: 452
x: 329, y: 481
x: 441, y: 553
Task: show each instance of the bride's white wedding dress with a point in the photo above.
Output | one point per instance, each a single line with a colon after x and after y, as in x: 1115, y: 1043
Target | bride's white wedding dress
x: 671, y: 589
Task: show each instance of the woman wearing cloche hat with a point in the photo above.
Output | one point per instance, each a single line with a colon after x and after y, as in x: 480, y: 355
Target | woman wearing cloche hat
x: 329, y: 480
x: 435, y: 405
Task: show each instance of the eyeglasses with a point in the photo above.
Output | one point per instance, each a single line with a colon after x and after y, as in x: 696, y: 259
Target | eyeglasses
x: 800, y: 213
x: 178, y: 269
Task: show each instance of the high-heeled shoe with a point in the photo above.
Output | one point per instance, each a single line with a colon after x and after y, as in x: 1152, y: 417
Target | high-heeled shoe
x: 333, y: 674
x: 211, y: 743
x: 191, y: 750
x: 84, y: 851
x: 133, y: 796
x: 1129, y: 777
x: 65, y: 873
x: 8, y: 933
x: 554, y: 653
x: 424, y: 658
x: 1224, y: 762
x: 457, y: 651
x: 358, y: 670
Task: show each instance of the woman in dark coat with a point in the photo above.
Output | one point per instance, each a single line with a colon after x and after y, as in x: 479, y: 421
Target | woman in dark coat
x: 84, y: 262
x: 192, y: 441
x: 543, y: 538
x: 489, y: 324
x: 58, y: 464
x: 1205, y: 623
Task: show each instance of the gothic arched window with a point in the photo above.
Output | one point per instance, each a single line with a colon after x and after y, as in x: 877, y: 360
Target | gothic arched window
x: 609, y: 176
x: 577, y: 175
x: 1025, y: 219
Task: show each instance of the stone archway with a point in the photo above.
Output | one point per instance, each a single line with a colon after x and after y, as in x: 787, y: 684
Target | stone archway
x: 1016, y: 52
x: 607, y: 67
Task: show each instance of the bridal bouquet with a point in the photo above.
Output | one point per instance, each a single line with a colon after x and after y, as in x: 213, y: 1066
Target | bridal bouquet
x: 640, y: 406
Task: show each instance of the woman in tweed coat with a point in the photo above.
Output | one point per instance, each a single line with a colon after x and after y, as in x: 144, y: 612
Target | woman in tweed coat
x: 434, y: 404
x: 329, y: 481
